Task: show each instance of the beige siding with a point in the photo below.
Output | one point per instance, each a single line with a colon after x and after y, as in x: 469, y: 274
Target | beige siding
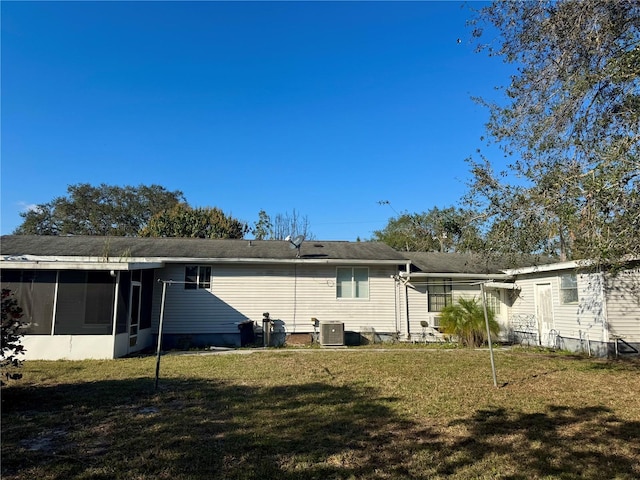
x: 418, y: 306
x: 623, y: 305
x: 581, y: 320
x: 291, y: 294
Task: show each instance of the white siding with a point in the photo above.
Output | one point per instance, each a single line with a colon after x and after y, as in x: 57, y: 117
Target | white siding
x: 623, y: 305
x: 417, y: 296
x: 292, y: 294
x: 581, y: 321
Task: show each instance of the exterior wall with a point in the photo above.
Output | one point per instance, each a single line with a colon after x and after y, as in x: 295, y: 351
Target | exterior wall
x: 576, y: 326
x: 292, y: 294
x: 623, y: 309
x: 69, y: 347
x: 417, y: 297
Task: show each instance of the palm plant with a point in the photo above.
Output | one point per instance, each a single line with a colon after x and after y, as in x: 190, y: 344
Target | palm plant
x: 465, y: 319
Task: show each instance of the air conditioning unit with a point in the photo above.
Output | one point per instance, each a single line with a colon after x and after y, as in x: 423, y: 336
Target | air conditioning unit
x: 435, y: 322
x: 331, y: 333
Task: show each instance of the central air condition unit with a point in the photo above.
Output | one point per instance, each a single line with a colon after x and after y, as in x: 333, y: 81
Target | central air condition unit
x: 331, y: 333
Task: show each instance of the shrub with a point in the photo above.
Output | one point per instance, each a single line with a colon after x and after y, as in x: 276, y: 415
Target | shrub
x: 11, y: 337
x: 465, y: 319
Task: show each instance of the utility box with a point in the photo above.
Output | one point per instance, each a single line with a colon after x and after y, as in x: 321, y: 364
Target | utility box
x: 331, y: 333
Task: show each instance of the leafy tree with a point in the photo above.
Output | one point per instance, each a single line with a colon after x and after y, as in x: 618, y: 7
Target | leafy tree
x: 263, y: 228
x: 102, y: 210
x: 11, y: 337
x: 465, y: 319
x: 570, y: 123
x: 184, y: 221
x: 441, y: 230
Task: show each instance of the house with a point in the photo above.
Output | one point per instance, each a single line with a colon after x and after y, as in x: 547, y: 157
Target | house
x: 577, y: 306
x: 101, y: 297
x: 104, y: 297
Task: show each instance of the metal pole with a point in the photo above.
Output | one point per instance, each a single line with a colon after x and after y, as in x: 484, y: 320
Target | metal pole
x: 486, y: 320
x: 164, y: 294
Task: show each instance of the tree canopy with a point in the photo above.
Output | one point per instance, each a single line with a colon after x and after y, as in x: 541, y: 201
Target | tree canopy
x: 185, y: 221
x: 101, y: 210
x: 571, y: 125
x: 448, y: 229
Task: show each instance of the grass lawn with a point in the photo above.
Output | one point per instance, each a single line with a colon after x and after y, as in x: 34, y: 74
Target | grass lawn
x: 315, y: 414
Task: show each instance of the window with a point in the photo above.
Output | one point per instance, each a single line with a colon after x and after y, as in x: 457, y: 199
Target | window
x: 352, y: 282
x: 439, y: 295
x: 493, y: 301
x: 568, y: 288
x: 196, y: 277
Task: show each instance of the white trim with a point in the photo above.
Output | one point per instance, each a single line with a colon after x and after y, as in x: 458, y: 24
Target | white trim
x: 116, y: 292
x: 550, y: 267
x: 475, y: 276
x: 80, y: 264
x: 502, y: 285
x: 136, y: 263
x: 55, y: 304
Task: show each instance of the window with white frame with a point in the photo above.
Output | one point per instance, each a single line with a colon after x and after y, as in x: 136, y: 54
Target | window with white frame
x: 568, y: 288
x: 352, y: 282
x: 196, y: 277
x: 439, y: 295
x: 494, y: 301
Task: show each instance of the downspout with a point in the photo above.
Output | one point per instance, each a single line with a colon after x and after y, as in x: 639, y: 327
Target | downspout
x: 605, y: 312
x: 406, y: 299
x: 396, y: 284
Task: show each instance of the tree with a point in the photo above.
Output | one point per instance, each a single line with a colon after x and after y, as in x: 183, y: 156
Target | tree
x: 465, y: 319
x: 184, y: 221
x: 292, y: 225
x: 571, y: 125
x: 438, y: 230
x: 102, y: 210
x: 263, y: 228
x: 12, y: 347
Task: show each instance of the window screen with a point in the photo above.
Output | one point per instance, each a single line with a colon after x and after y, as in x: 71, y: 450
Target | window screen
x: 85, y: 303
x: 568, y: 288
x: 34, y: 290
x: 439, y: 295
x: 123, y: 302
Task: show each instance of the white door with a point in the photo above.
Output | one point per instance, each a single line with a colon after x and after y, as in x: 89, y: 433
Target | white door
x: 544, y: 313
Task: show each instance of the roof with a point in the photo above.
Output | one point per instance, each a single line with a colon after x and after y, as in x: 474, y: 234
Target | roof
x: 437, y: 262
x: 176, y: 249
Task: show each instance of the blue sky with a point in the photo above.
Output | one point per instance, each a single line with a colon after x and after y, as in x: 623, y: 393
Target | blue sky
x: 327, y: 108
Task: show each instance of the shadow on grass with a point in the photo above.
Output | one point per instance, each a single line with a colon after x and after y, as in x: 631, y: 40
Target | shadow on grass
x: 194, y: 429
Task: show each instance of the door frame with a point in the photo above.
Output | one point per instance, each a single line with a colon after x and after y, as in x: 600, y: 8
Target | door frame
x: 548, y: 302
x: 136, y: 285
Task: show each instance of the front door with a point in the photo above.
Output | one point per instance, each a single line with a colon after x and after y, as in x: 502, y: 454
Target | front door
x: 134, y: 314
x: 544, y: 313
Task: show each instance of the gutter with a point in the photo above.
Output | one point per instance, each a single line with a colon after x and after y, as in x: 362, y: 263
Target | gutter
x: 21, y: 261
x: 475, y: 276
x: 502, y: 285
x: 77, y: 265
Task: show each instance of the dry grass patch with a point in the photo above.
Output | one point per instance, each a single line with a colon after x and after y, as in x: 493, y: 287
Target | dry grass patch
x: 351, y: 414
